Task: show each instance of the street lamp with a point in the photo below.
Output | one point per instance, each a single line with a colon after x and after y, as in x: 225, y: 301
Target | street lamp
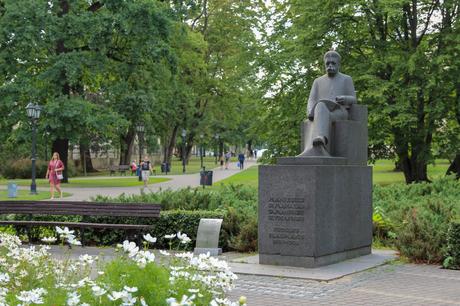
x: 216, y: 136
x: 184, y: 133
x: 33, y: 112
x: 201, y: 150
x: 140, y: 133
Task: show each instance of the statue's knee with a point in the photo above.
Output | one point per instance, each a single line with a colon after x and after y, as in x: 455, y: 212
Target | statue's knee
x: 320, y: 107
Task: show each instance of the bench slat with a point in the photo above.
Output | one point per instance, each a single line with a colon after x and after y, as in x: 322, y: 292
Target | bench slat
x: 80, y: 208
x: 77, y: 224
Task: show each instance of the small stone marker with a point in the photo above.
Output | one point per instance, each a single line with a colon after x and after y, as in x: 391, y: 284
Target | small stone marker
x: 207, y: 239
x: 12, y: 190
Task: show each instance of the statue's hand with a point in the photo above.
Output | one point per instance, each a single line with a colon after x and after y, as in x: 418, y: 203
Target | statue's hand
x: 340, y: 99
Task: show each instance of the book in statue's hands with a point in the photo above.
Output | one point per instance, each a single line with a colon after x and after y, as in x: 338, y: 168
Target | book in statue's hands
x: 331, y: 105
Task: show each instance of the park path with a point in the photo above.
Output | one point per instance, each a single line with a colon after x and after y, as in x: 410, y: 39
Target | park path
x: 176, y: 182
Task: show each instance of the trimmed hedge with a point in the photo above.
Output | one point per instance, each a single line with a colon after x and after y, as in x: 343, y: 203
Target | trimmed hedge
x: 237, y: 201
x: 170, y: 222
x: 452, y: 260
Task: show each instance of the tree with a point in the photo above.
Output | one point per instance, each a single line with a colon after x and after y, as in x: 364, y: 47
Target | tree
x: 59, y: 51
x: 394, y: 50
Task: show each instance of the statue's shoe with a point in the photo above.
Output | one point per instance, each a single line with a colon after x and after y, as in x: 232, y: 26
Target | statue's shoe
x: 315, y: 151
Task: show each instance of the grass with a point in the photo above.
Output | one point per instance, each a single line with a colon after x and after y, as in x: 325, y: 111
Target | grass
x: 383, y: 174
x: 249, y: 177
x: 193, y: 166
x: 25, y: 195
x: 94, y: 182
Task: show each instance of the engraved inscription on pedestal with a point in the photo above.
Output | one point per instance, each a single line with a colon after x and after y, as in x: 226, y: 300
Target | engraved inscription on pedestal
x: 291, y: 210
x: 207, y: 239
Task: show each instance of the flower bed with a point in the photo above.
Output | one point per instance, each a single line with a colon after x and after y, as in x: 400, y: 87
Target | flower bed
x: 30, y: 276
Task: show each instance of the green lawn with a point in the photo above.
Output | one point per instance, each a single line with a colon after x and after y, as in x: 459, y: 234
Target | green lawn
x: 383, y: 174
x: 194, y: 166
x: 24, y: 195
x: 127, y: 181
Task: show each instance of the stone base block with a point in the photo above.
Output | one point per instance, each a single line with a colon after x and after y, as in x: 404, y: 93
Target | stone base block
x: 312, y: 215
x: 211, y: 251
x: 312, y: 262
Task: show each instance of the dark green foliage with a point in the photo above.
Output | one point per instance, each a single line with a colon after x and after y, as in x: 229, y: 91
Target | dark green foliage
x: 238, y: 203
x: 452, y: 260
x: 170, y: 222
x: 418, y: 216
x: 22, y: 168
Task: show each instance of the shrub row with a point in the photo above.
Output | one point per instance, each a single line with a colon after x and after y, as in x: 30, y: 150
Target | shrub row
x: 415, y: 218
x: 452, y: 260
x: 21, y: 169
x: 239, y: 204
x: 170, y: 222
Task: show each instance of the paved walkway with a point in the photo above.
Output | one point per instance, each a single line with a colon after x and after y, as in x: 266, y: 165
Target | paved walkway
x: 176, y: 182
x: 391, y: 284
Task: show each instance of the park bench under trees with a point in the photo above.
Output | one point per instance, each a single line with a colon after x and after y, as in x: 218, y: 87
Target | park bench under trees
x: 84, y: 209
x: 120, y: 168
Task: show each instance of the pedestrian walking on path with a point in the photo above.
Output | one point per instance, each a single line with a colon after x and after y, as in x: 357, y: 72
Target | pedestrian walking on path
x: 54, y: 174
x: 145, y: 168
x: 241, y: 161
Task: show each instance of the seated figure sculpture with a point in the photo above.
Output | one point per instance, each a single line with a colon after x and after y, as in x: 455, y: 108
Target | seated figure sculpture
x: 330, y: 98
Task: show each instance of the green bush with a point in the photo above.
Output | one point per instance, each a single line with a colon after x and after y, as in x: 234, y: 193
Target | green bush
x: 22, y: 169
x: 417, y: 216
x: 452, y: 260
x: 238, y: 202
x: 170, y: 222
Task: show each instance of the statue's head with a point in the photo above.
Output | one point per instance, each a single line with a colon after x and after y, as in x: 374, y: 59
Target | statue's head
x: 332, y: 62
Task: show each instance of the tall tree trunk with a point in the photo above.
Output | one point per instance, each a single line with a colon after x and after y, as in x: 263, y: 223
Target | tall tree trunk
x: 85, y: 158
x: 126, y: 148
x: 454, y: 167
x: 62, y: 147
x: 170, y: 143
x: 221, y: 148
x: 249, y: 148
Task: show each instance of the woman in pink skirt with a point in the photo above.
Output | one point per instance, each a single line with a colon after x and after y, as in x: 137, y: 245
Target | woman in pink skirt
x: 53, y: 173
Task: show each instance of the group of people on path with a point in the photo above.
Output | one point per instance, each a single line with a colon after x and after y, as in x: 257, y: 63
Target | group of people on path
x: 143, y: 169
x: 54, y: 173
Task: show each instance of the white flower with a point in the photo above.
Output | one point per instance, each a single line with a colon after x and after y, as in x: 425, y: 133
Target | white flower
x: 185, y: 301
x: 87, y: 259
x: 98, y: 291
x: 73, y: 299
x: 4, y: 278
x: 73, y: 241
x: 185, y: 240
x: 143, y: 302
x: 130, y: 289
x: 172, y: 236
x: 32, y: 296
x: 65, y: 232
x: 130, y: 247
x: 49, y: 239
x: 149, y: 238
x: 164, y: 253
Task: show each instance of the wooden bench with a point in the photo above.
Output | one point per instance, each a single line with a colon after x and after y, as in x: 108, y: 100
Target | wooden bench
x: 74, y: 208
x: 121, y: 168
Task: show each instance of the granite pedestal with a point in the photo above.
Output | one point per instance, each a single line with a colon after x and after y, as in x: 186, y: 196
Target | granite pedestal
x: 314, y: 212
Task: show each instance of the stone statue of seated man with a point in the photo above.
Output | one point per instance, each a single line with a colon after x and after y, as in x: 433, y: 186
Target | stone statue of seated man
x: 330, y: 98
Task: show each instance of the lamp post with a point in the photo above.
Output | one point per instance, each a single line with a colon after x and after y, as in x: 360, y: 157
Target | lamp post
x: 140, y: 135
x: 216, y: 136
x: 184, y: 133
x: 33, y: 112
x: 201, y: 151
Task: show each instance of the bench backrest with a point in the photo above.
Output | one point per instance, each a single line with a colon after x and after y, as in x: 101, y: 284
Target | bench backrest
x: 80, y: 208
x: 123, y: 167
